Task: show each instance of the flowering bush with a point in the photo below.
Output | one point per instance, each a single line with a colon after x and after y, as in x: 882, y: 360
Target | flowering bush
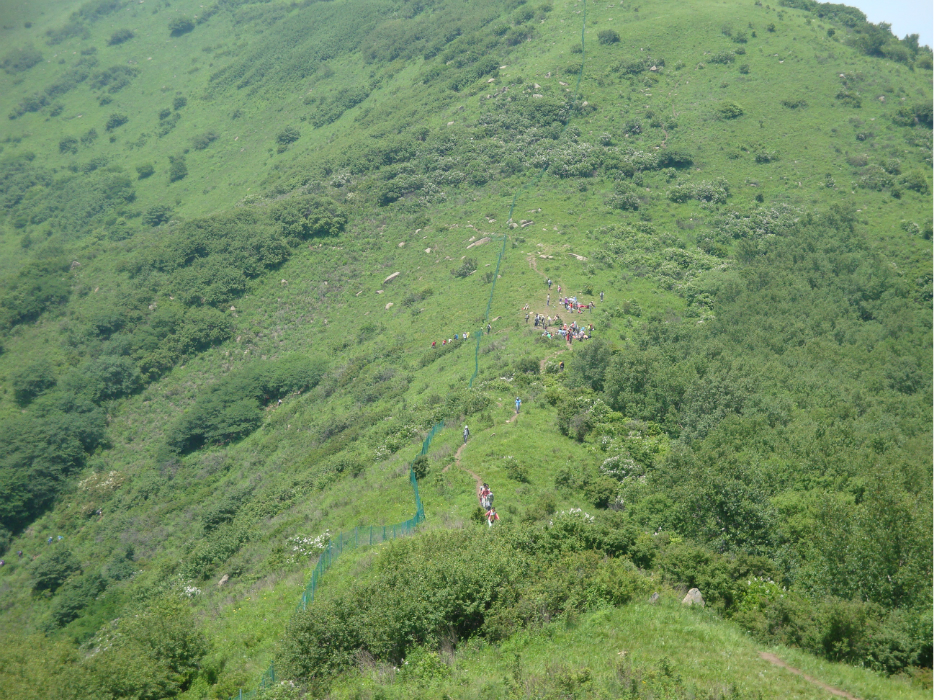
x: 301, y: 547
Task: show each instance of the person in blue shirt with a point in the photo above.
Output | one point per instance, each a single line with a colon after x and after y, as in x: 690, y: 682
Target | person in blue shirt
x: 518, y: 404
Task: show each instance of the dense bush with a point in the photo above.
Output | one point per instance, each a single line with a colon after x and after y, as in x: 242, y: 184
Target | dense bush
x: 608, y: 36
x: 178, y: 169
x: 303, y: 217
x: 180, y: 25
x: 145, y: 170
x: 232, y: 408
x: 157, y: 214
x: 37, y: 377
x: 53, y: 569
x: 120, y: 36
x: 467, y: 268
x: 116, y: 120
x: 729, y: 110
x: 21, y: 59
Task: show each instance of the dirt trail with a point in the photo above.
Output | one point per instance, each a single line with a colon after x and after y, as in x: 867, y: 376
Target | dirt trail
x: 457, y: 462
x: 771, y: 658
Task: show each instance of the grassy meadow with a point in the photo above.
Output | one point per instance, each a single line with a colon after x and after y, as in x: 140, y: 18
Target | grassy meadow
x: 232, y: 231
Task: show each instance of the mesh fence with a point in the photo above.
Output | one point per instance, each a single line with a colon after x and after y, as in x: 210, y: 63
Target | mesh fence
x: 360, y: 536
x: 374, y: 534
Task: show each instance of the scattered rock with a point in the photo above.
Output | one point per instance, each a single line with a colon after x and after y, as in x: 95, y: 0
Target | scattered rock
x: 450, y: 123
x: 402, y: 244
x: 654, y: 599
x: 693, y: 597
x: 579, y: 257
x: 427, y: 250
x: 223, y: 580
x: 379, y: 291
x: 75, y: 264
x: 537, y: 95
x: 527, y: 223
x: 283, y: 283
x: 391, y: 277
x: 485, y: 239
x: 561, y: 82
x: 491, y: 80
x: 389, y: 306
x: 417, y: 231
x: 537, y: 86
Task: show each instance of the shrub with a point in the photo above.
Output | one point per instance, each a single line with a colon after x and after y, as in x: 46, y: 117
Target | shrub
x: 116, y: 120
x: 515, y: 470
x: 178, y: 170
x: 180, y: 25
x: 421, y: 467
x: 729, y: 110
x: 723, y: 57
x: 744, y: 69
x: 20, y: 60
x: 232, y: 408
x: 179, y: 102
x: 53, y: 569
x: 300, y: 218
x: 527, y: 365
x: 69, y: 144
x: 120, y: 36
x: 145, y: 170
x: 607, y: 37
x: 202, y: 141
x: 916, y: 180
x: 467, y: 268
x: 36, y: 378
x: 157, y: 214
x: 287, y: 136
x: 794, y: 103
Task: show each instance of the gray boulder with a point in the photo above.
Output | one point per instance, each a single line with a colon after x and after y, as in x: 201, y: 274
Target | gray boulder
x: 693, y: 597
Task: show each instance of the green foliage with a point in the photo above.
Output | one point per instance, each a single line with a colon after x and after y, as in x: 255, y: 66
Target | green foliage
x: 467, y: 268
x: 421, y: 467
x: 303, y: 217
x: 202, y: 141
x: 288, y: 135
x: 116, y: 120
x: 180, y: 25
x: 178, y: 169
x: 52, y: 570
x: 120, y: 36
x: 145, y: 170
x: 38, y: 287
x: 34, y: 379
x: 607, y: 37
x: 157, y: 214
x: 729, y: 110
x: 21, y: 59
x: 232, y: 408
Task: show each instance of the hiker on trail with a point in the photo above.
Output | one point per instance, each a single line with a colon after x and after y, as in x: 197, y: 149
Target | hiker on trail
x: 491, y: 517
x: 601, y: 296
x: 434, y: 343
x: 466, y: 335
x: 455, y: 337
x: 486, y: 497
x: 549, y: 283
x: 518, y: 405
x: 526, y: 316
x: 466, y: 434
x: 559, y: 290
x: 548, y: 300
x: 489, y: 329
x: 49, y: 541
x: 561, y: 366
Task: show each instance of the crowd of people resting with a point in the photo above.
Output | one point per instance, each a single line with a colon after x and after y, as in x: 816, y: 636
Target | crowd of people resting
x: 566, y: 331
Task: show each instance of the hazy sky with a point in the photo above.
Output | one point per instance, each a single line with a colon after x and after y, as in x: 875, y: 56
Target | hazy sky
x: 905, y: 16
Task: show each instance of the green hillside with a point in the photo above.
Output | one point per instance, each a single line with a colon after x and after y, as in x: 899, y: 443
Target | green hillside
x: 251, y: 253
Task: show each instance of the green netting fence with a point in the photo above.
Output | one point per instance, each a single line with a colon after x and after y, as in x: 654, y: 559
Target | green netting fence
x: 360, y: 536
x: 374, y: 534
x: 527, y: 186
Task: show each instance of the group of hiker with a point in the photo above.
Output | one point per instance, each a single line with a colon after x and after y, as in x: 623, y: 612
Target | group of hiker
x: 485, y: 494
x: 568, y: 332
x: 459, y: 336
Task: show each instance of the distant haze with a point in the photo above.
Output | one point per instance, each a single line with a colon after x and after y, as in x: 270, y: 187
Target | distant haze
x: 905, y: 16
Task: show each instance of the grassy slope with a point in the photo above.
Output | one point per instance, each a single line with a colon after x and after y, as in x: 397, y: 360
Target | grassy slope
x: 275, y: 319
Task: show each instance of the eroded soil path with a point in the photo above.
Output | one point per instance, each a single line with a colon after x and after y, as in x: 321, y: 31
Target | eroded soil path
x: 772, y: 659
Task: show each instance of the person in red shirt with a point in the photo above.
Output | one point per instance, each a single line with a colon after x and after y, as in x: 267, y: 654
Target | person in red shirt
x: 491, y: 516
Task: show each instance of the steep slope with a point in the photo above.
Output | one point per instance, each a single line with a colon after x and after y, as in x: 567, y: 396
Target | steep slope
x: 211, y: 365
